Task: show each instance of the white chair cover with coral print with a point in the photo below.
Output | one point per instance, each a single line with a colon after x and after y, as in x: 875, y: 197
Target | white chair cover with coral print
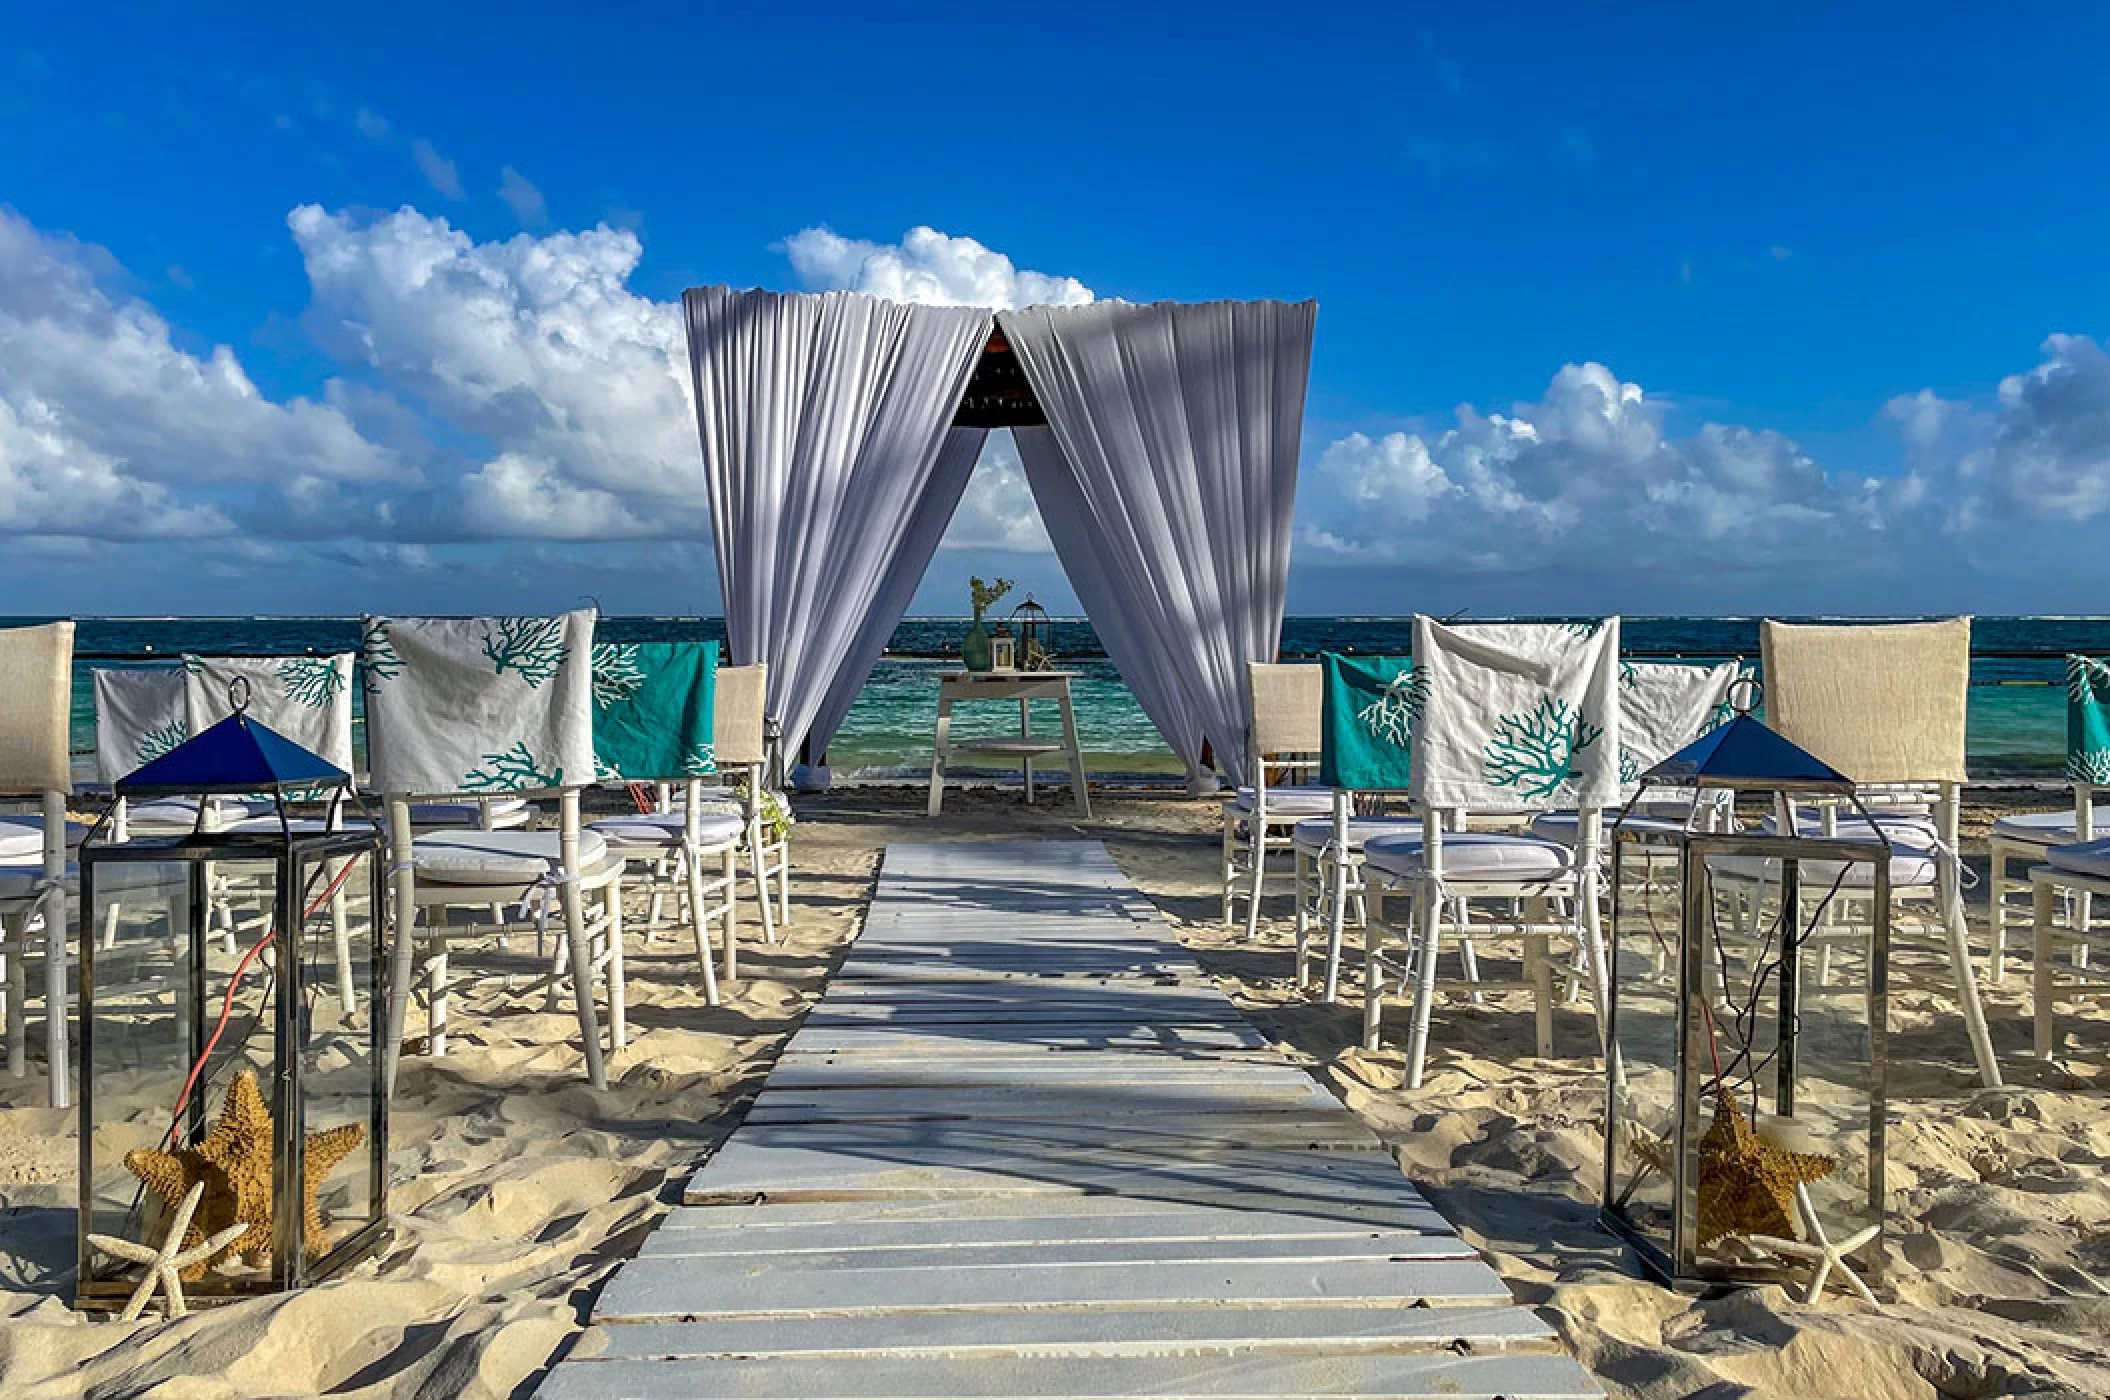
x: 308, y: 699
x: 479, y: 705
x: 1517, y: 716
x: 139, y: 716
x: 1665, y: 705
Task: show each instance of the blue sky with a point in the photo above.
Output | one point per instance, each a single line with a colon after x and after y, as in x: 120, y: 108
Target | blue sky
x: 1668, y: 309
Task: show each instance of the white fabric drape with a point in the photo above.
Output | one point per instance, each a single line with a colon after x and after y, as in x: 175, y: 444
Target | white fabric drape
x: 919, y: 542
x: 820, y: 419
x: 1166, y: 478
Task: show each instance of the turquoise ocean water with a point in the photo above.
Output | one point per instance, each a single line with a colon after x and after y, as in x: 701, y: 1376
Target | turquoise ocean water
x: 2017, y: 728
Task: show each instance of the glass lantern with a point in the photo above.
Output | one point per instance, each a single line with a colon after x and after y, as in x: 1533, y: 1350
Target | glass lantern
x: 232, y: 1004
x: 1745, y: 1057
x: 1029, y: 620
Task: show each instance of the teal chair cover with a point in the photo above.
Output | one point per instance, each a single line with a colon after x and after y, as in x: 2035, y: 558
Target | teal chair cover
x: 652, y: 704
x: 2088, y: 721
x: 1367, y: 721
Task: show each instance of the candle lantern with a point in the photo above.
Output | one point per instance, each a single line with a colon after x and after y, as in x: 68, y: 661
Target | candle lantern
x: 1003, y: 649
x: 1745, y: 1053
x: 1030, y: 621
x: 232, y: 986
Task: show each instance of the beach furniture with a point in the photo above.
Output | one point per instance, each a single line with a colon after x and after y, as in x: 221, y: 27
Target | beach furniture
x: 2076, y: 868
x: 2024, y: 837
x: 36, y: 677
x: 741, y: 740
x: 1023, y: 748
x: 1884, y: 704
x: 470, y: 707
x: 652, y: 724
x: 1259, y: 818
x: 1513, y: 717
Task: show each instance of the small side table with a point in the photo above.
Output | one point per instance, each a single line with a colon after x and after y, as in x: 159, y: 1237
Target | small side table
x: 1024, y: 687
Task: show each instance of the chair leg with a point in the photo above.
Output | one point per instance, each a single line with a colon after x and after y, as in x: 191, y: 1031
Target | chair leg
x: 1373, y: 973
x: 2045, y: 1028
x: 783, y: 887
x: 1996, y: 963
x: 1300, y: 878
x: 341, y: 939
x: 1428, y: 908
x: 700, y: 920
x: 1538, y: 971
x: 1230, y: 869
x: 13, y: 939
x: 618, y: 989
x: 1967, y: 978
x: 1336, y: 925
x: 758, y: 857
x: 582, y: 976
x: 436, y: 1001
x: 1252, y: 909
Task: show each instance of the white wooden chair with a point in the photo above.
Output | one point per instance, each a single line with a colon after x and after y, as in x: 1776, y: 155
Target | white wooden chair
x: 1259, y: 818
x: 2024, y: 837
x: 36, y: 679
x: 1885, y: 704
x: 1514, y: 716
x: 741, y: 750
x: 2076, y: 868
x: 480, y: 707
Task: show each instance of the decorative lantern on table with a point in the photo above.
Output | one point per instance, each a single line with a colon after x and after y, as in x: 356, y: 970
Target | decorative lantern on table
x: 1030, y: 621
x: 229, y: 1041
x: 1744, y: 1125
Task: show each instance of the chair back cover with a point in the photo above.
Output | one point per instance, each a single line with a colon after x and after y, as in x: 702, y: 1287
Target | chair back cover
x: 2088, y: 721
x: 1286, y: 704
x: 652, y: 710
x: 1367, y: 721
x: 1665, y: 705
x: 738, y: 737
x: 139, y: 716
x: 1881, y: 703
x: 1517, y: 715
x: 308, y: 699
x: 479, y: 705
x: 36, y: 677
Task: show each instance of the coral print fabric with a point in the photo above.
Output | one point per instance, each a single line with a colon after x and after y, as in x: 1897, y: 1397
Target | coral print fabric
x: 1665, y: 705
x: 479, y: 705
x: 2088, y: 721
x: 308, y: 699
x: 652, y: 704
x: 1517, y: 716
x: 1367, y: 721
x: 139, y: 716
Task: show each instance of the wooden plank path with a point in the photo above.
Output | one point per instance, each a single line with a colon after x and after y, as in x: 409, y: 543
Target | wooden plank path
x: 1024, y: 1148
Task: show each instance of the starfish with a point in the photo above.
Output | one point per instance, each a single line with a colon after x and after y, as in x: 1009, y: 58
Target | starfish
x: 165, y: 1265
x: 1820, y: 1250
x: 1747, y: 1185
x: 233, y: 1163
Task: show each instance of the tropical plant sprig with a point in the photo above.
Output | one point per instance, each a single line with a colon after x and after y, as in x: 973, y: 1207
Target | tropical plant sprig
x: 987, y: 594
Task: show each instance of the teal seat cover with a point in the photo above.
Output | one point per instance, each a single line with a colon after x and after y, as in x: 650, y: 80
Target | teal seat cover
x: 1367, y: 721
x: 652, y: 710
x: 2087, y: 721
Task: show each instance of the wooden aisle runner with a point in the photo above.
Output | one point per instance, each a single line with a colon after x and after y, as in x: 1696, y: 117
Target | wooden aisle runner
x: 1023, y: 1147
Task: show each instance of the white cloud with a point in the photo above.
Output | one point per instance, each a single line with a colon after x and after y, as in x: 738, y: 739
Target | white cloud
x: 926, y: 266
x: 372, y: 125
x: 522, y: 197
x: 439, y: 172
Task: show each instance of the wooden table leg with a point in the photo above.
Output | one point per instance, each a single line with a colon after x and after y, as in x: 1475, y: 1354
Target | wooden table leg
x: 1025, y: 731
x: 1069, y: 740
x: 940, y: 745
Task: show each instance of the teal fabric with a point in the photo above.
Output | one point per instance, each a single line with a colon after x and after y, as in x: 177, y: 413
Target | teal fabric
x: 652, y: 710
x: 2088, y: 721
x: 1367, y: 721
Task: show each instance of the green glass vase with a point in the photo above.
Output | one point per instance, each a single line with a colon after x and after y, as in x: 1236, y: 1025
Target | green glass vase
x: 974, y: 647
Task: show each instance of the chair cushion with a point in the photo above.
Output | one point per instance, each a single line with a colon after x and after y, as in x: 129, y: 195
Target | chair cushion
x: 1913, y: 829
x: 665, y: 828
x: 22, y: 838
x: 1566, y: 827
x: 1472, y: 855
x: 1315, y: 834
x: 299, y: 826
x: 497, y: 857
x: 1288, y: 801
x: 505, y: 811
x: 1910, y: 869
x: 183, y: 811
x: 2082, y: 857
x: 2044, y: 828
x: 20, y: 880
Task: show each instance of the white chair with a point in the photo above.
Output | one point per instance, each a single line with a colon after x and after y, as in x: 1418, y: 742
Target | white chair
x: 36, y: 677
x: 1885, y: 705
x: 1258, y: 819
x: 741, y: 752
x: 481, y: 707
x: 2076, y: 865
x: 2025, y: 837
x: 1519, y: 716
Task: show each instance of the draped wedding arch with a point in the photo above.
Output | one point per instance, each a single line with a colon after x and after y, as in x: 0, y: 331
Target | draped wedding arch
x: 1160, y: 442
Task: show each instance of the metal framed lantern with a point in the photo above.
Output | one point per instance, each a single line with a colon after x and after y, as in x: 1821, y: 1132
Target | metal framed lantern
x: 1744, y: 1131
x: 1030, y: 621
x: 1003, y: 649
x: 230, y: 1041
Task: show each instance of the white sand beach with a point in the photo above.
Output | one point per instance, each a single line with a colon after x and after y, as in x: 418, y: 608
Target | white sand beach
x: 518, y: 1188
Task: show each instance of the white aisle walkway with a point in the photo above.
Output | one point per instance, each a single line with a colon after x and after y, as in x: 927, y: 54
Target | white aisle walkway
x: 1023, y: 1147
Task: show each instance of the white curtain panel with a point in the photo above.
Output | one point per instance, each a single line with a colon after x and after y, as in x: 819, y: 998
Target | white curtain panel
x: 479, y: 705
x: 1665, y: 705
x: 919, y: 542
x: 1177, y: 428
x: 139, y: 716
x: 821, y: 418
x: 308, y: 699
x: 1518, y: 716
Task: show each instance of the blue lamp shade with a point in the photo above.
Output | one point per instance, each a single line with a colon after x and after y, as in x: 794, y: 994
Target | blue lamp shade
x: 234, y: 756
x: 1745, y: 754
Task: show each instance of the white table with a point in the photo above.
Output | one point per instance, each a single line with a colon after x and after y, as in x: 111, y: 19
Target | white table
x: 1022, y: 748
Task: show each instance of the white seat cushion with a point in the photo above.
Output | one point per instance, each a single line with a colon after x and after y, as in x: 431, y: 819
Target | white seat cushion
x: 1287, y: 801
x: 1566, y: 827
x: 299, y: 826
x: 498, y: 857
x: 2082, y: 857
x: 1909, y: 870
x: 20, y: 881
x: 505, y: 811
x: 1473, y: 855
x: 22, y: 838
x: 1913, y: 829
x: 2044, y: 828
x: 665, y: 828
x: 183, y: 811
x: 1315, y: 834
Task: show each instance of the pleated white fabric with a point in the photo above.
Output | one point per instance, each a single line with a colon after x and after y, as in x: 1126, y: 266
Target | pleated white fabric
x: 1166, y: 478
x: 821, y: 418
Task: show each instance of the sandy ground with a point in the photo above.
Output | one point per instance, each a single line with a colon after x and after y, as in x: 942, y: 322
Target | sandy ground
x: 518, y: 1188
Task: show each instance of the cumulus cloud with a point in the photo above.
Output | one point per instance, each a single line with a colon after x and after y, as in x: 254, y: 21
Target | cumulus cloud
x: 926, y: 266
